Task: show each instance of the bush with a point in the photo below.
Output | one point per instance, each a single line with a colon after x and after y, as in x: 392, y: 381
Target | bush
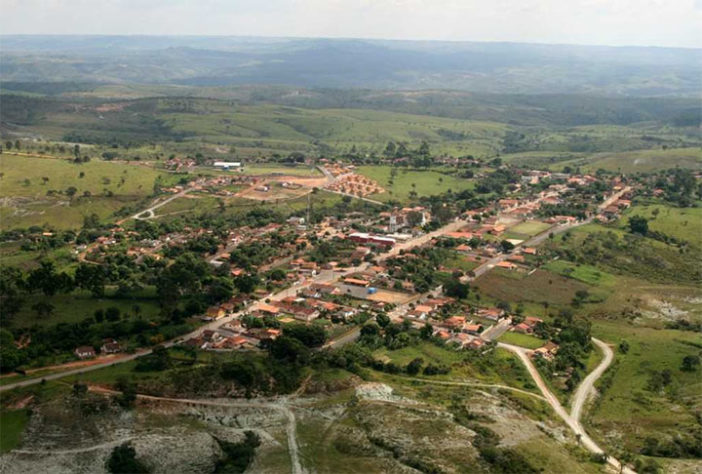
x: 123, y: 461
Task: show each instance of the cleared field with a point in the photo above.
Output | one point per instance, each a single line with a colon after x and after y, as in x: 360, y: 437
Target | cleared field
x: 392, y: 297
x: 424, y: 183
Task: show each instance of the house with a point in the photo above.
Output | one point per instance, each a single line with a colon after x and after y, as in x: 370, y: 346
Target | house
x: 506, y: 265
x: 531, y: 321
x: 110, y: 346
x: 356, y: 282
x: 84, y: 352
x: 455, y: 322
x: 268, y: 309
x: 474, y: 329
x: 215, y: 313
x: 547, y: 351
x: 523, y: 328
x: 476, y: 343
x: 492, y: 314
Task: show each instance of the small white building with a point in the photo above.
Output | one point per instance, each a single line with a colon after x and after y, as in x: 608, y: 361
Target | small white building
x: 227, y: 165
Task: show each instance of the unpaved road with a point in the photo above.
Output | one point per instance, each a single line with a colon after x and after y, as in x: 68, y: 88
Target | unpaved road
x: 587, y: 386
x: 570, y: 420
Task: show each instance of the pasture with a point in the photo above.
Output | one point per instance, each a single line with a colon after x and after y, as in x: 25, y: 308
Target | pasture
x: 681, y: 223
x: 59, y: 193
x: 629, y: 410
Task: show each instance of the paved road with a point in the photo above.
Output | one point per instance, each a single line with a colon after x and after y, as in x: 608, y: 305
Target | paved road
x: 571, y: 421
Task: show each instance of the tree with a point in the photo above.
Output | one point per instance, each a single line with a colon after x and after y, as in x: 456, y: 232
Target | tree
x: 43, y: 309
x: 638, y: 225
x: 414, y: 366
x: 506, y: 246
x: 71, y: 191
x: 129, y: 392
x: 455, y: 289
x: 690, y: 363
x: 291, y: 350
x: 123, y: 460
x: 383, y: 320
x: 310, y: 336
x: 623, y: 347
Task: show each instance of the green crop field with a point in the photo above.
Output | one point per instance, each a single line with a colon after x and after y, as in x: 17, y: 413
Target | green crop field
x: 423, y: 182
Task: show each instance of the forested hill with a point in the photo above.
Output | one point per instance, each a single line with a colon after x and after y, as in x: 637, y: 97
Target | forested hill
x: 339, y: 63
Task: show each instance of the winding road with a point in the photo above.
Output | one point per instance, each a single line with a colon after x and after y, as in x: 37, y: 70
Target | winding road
x: 583, y: 392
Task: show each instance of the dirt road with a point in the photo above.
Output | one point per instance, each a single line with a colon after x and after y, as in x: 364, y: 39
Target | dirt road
x: 587, y: 386
x: 572, y: 422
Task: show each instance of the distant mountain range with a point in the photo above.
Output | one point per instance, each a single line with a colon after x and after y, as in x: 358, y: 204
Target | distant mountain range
x: 340, y: 63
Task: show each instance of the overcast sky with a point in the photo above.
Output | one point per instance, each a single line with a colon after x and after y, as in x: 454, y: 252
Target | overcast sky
x: 603, y: 22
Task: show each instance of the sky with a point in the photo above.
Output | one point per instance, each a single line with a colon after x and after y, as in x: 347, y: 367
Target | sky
x: 674, y: 23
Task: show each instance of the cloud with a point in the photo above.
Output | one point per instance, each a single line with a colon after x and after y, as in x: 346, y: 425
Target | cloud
x: 612, y: 22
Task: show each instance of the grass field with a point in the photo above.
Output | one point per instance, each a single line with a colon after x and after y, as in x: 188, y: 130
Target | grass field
x: 681, y: 223
x: 12, y: 423
x: 541, y: 286
x: 523, y: 340
x: 424, y: 183
x: 110, y: 185
x: 585, y: 273
x: 272, y: 169
x: 629, y: 412
x: 638, y: 161
x: 74, y: 307
x: 529, y: 228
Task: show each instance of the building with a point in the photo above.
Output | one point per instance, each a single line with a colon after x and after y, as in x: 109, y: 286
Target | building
x: 84, y: 352
x: 364, y: 238
x: 227, y: 165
